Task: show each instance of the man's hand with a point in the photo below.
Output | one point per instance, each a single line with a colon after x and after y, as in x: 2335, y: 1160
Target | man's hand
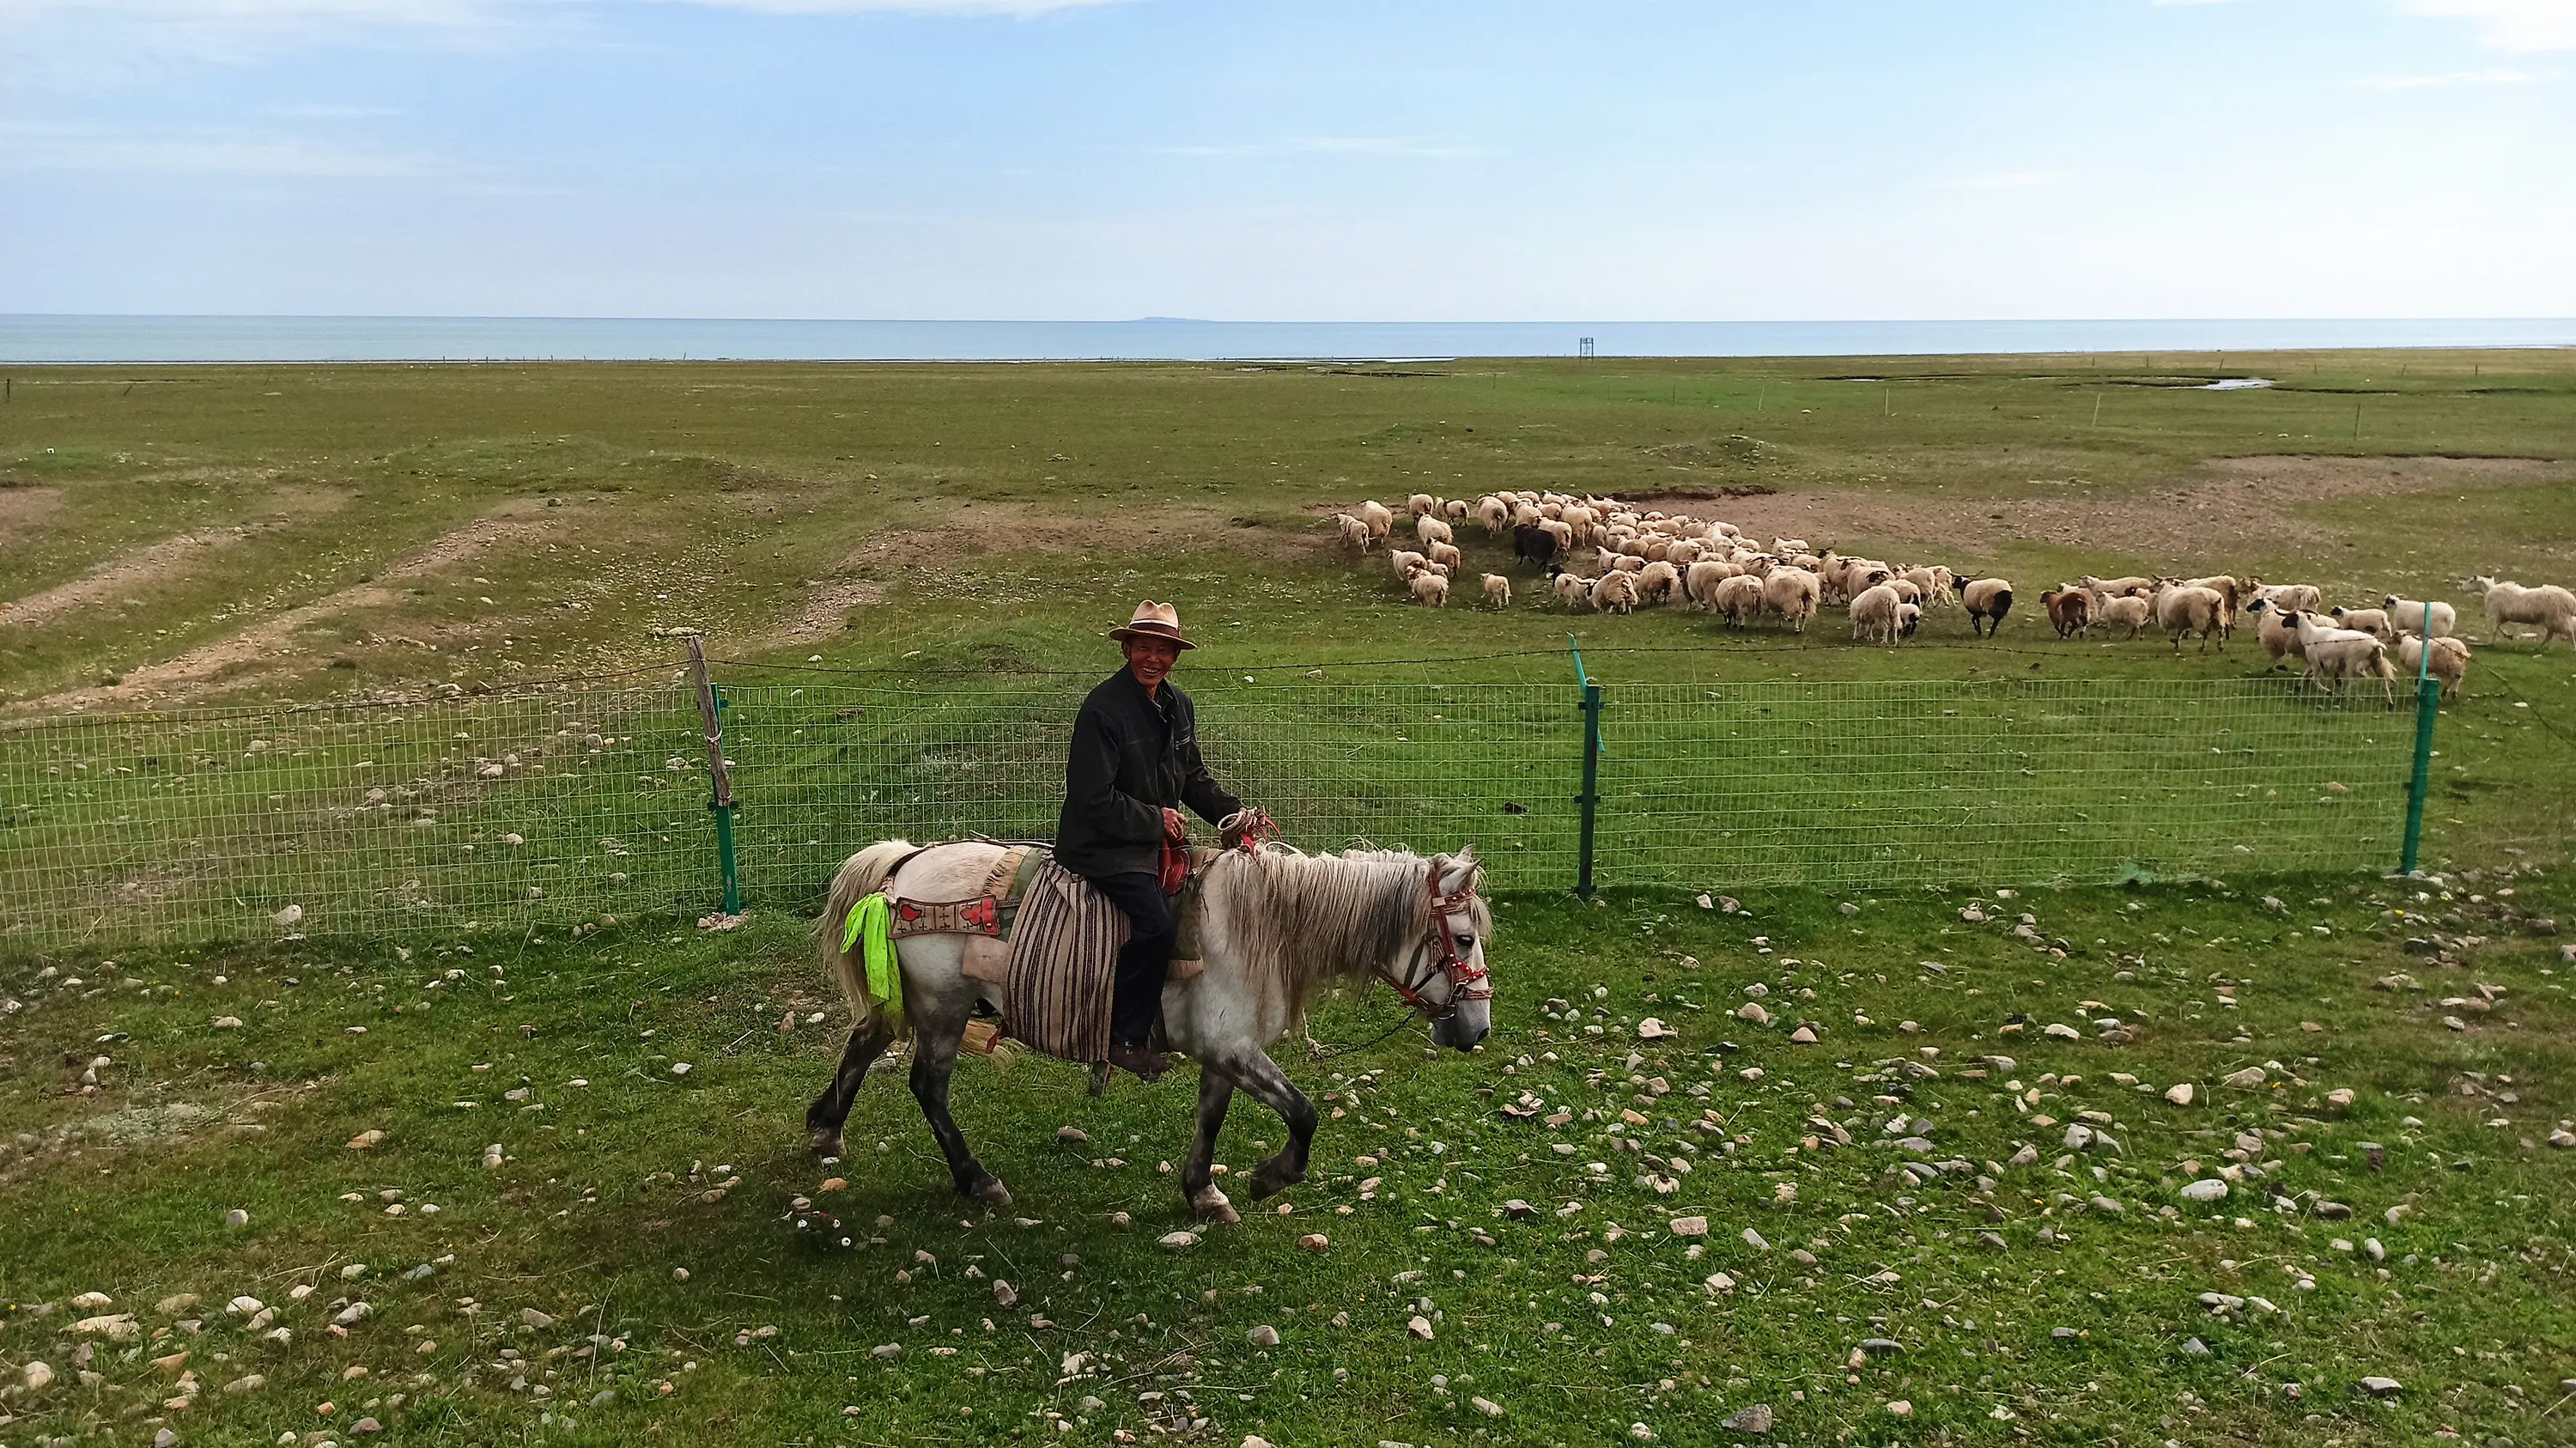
x: 1172, y: 826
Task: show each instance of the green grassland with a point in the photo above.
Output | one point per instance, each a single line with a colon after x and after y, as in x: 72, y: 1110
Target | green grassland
x: 375, y: 532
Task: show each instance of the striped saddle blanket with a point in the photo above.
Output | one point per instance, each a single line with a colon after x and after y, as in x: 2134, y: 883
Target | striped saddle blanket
x: 1051, y: 942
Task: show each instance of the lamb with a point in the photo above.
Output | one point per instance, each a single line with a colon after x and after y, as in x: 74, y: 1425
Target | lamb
x: 1572, y: 590
x: 1615, y: 592
x: 1987, y: 601
x: 1498, y: 590
x: 1404, y: 562
x: 1737, y: 597
x: 2549, y: 608
x: 1446, y: 556
x: 2292, y: 597
x: 2371, y: 621
x: 1793, y: 594
x: 2070, y: 611
x: 1429, y: 586
x: 2408, y: 616
x: 2450, y: 662
x: 2274, y: 629
x: 1379, y: 520
x: 2127, y: 611
x: 2184, y: 608
x: 1881, y: 613
x: 1355, y: 533
x: 1431, y: 530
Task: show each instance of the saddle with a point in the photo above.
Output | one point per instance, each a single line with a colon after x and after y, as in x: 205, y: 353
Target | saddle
x: 1051, y: 942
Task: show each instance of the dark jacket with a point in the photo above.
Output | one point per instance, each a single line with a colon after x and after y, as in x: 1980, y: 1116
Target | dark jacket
x: 1134, y: 756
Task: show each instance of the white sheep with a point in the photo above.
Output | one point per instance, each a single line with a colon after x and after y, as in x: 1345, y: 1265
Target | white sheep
x: 2344, y: 654
x: 1404, y: 562
x: 1615, y: 592
x: 2126, y: 610
x: 1355, y: 533
x: 2549, y: 608
x: 1881, y: 613
x: 1429, y: 529
x: 1738, y: 597
x: 2183, y: 608
x: 1987, y: 600
x: 2450, y: 662
x: 2408, y: 615
x: 2292, y: 597
x: 1421, y: 503
x: 1446, y: 555
x: 1374, y: 514
x: 1571, y: 589
x: 2276, y: 630
x: 1792, y: 593
x: 2372, y: 621
x: 1700, y: 580
x: 1498, y: 590
x: 1456, y: 509
x: 1659, y: 582
x: 1495, y: 514
x: 2130, y: 587
x: 1430, y: 586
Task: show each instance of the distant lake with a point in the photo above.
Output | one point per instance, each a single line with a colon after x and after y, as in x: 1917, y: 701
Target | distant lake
x: 33, y: 338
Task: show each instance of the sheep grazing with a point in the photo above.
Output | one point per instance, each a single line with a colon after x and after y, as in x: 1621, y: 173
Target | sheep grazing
x: 2070, y: 611
x: 2372, y: 621
x: 1659, y: 582
x: 1987, y: 600
x: 1737, y: 597
x: 2408, y: 615
x: 1534, y: 544
x: 2127, y: 610
x: 1884, y: 615
x: 1355, y: 533
x: 1421, y: 503
x: 1572, y: 590
x: 2549, y: 608
x: 1498, y: 590
x: 1430, y: 529
x: 1792, y: 593
x: 2450, y: 662
x: 1447, y: 556
x: 2275, y: 630
x: 1404, y: 562
x: 2184, y: 608
x: 1429, y: 586
x: 1379, y: 520
x: 1615, y: 592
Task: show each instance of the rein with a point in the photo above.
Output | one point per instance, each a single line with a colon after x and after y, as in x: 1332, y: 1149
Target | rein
x: 1468, y: 981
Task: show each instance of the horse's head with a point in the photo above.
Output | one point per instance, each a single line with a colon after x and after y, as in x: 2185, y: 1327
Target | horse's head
x: 1455, y: 991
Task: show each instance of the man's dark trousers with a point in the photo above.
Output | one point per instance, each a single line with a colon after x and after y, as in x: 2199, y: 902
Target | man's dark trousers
x: 1144, y: 959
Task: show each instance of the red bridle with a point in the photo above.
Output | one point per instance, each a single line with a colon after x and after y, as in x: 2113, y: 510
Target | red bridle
x: 1468, y: 981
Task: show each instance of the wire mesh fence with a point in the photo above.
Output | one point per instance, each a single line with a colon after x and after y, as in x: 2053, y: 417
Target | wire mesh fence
x: 562, y: 806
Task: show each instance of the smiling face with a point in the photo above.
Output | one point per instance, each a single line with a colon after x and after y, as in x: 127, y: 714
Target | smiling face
x: 1151, y: 660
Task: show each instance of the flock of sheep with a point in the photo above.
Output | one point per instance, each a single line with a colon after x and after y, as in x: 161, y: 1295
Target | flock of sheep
x: 1602, y: 554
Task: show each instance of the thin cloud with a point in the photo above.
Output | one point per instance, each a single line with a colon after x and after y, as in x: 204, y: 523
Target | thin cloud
x: 1399, y: 146
x: 91, y: 150
x: 2007, y: 180
x: 2517, y: 25
x: 1015, y: 9
x: 2492, y: 75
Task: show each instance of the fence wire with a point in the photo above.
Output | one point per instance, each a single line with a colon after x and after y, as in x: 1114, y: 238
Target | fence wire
x: 559, y: 808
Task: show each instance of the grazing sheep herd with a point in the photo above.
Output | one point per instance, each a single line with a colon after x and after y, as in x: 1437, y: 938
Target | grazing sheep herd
x: 1603, y: 555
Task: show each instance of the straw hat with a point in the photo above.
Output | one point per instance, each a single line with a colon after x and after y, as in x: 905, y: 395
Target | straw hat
x: 1153, y: 621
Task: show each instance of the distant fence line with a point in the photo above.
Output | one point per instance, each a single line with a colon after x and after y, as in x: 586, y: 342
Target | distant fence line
x: 553, y: 807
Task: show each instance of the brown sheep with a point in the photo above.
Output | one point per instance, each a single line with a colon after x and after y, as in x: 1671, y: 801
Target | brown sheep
x: 2070, y: 610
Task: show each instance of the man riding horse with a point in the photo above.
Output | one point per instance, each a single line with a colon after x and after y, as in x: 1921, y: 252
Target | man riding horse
x: 1135, y: 761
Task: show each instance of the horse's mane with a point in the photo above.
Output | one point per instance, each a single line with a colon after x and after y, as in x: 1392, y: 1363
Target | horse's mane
x: 1299, y: 921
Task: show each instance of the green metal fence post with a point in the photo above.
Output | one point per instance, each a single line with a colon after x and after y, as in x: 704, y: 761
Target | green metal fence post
x: 1590, y: 798
x: 2428, y: 700
x: 719, y: 773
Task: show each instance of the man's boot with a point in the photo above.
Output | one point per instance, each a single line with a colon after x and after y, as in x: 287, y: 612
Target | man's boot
x: 1145, y: 1063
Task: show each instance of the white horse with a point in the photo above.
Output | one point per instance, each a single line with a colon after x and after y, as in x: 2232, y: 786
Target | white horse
x: 1279, y: 925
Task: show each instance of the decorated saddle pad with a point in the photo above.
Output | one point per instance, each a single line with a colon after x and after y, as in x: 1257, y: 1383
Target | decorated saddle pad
x: 989, y: 912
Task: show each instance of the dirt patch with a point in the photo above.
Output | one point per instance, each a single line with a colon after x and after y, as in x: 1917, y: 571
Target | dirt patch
x: 2198, y: 518
x: 26, y: 510
x: 131, y: 571
x: 826, y: 608
x: 272, y: 638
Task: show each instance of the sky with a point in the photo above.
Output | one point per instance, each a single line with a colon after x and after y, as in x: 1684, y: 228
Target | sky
x: 1299, y: 160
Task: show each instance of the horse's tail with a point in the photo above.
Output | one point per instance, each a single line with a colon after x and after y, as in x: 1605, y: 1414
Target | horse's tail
x: 861, y: 875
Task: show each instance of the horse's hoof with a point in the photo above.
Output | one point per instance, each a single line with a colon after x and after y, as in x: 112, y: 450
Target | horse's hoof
x: 1212, y: 1207
x: 826, y: 1143
x: 991, y: 1192
x: 1270, y: 1184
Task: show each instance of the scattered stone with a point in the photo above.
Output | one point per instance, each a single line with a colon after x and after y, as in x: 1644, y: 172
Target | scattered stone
x: 1641, y: 1432
x: 1753, y: 1011
x: 366, y: 1140
x: 1263, y: 1336
x: 1419, y: 1326
x: 1316, y: 1242
x: 887, y: 1350
x: 2207, y: 1189
x: 2245, y: 1080
x: 228, y: 1023
x: 2379, y: 1387
x: 1651, y: 1029
x: 1756, y: 1419
x: 1486, y: 1406
x: 1992, y: 1241
x: 1178, y: 1241
x: 1005, y: 1296
x: 1901, y: 1408
x: 1072, y: 1133
x: 1690, y: 1226
x: 37, y: 1375
x: 2060, y: 1031
x: 538, y: 1320
x: 1519, y: 1210
x: 2340, y: 1098
x: 1753, y: 1239
x: 366, y: 1427
x: 681, y: 1068
x: 237, y: 1219
x: 175, y: 1303
x: 2194, y: 1347
x: 1719, y: 1282
x: 1803, y: 1036
x: 2105, y: 1204
x: 2179, y: 1095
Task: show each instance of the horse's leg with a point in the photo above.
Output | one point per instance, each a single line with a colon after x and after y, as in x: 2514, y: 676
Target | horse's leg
x: 934, y: 1061
x: 1198, y: 1183
x: 1271, y: 1087
x: 823, y: 1119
